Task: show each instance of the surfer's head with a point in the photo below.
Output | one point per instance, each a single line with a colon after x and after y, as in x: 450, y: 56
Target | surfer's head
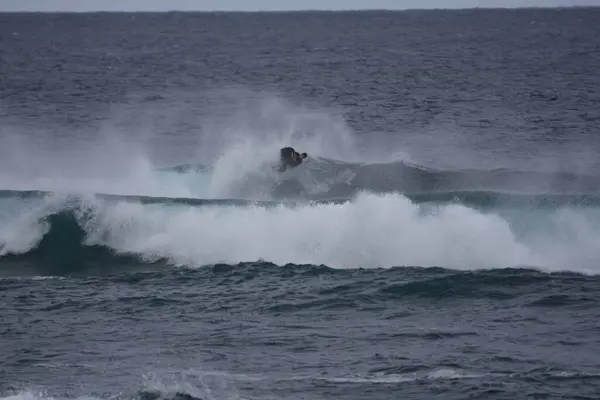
x: 303, y: 155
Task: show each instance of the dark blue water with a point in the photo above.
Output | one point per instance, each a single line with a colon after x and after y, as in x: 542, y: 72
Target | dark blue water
x: 440, y: 241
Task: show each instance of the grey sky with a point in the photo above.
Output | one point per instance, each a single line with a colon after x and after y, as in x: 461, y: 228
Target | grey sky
x: 253, y: 5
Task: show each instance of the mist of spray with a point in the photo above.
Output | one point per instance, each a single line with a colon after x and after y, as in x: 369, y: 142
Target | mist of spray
x: 238, y: 134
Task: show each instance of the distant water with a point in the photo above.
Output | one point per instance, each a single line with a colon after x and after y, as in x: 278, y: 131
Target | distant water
x: 441, y: 240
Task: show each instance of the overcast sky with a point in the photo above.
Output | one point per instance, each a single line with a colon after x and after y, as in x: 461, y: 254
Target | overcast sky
x: 254, y: 5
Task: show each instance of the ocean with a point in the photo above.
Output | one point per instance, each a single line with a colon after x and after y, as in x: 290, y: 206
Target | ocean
x: 441, y: 240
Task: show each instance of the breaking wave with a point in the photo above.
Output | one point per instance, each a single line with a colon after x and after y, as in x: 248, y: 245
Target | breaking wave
x: 365, y: 231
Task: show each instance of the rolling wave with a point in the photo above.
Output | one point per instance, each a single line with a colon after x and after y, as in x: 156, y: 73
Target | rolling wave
x: 65, y: 233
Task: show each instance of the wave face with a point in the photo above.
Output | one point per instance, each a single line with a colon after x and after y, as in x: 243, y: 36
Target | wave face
x: 67, y: 233
x: 326, y: 178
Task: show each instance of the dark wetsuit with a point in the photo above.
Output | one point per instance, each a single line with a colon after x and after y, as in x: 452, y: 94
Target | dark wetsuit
x: 290, y: 158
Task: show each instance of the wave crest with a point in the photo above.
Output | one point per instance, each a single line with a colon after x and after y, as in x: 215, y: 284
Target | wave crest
x: 366, y: 231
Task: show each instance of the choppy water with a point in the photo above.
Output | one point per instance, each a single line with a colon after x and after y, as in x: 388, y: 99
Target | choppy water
x: 441, y: 241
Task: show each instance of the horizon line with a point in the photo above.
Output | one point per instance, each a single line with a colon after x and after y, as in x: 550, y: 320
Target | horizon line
x: 57, y: 11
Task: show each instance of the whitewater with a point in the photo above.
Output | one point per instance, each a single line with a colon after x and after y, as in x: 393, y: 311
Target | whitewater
x: 347, y: 212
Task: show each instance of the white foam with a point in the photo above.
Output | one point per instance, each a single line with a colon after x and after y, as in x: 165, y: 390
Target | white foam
x: 27, y: 395
x: 22, y: 223
x: 40, y: 395
x: 371, y: 231
x: 439, y: 374
x: 212, y: 386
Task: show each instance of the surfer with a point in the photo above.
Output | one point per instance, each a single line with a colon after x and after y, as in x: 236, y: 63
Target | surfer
x: 290, y: 158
